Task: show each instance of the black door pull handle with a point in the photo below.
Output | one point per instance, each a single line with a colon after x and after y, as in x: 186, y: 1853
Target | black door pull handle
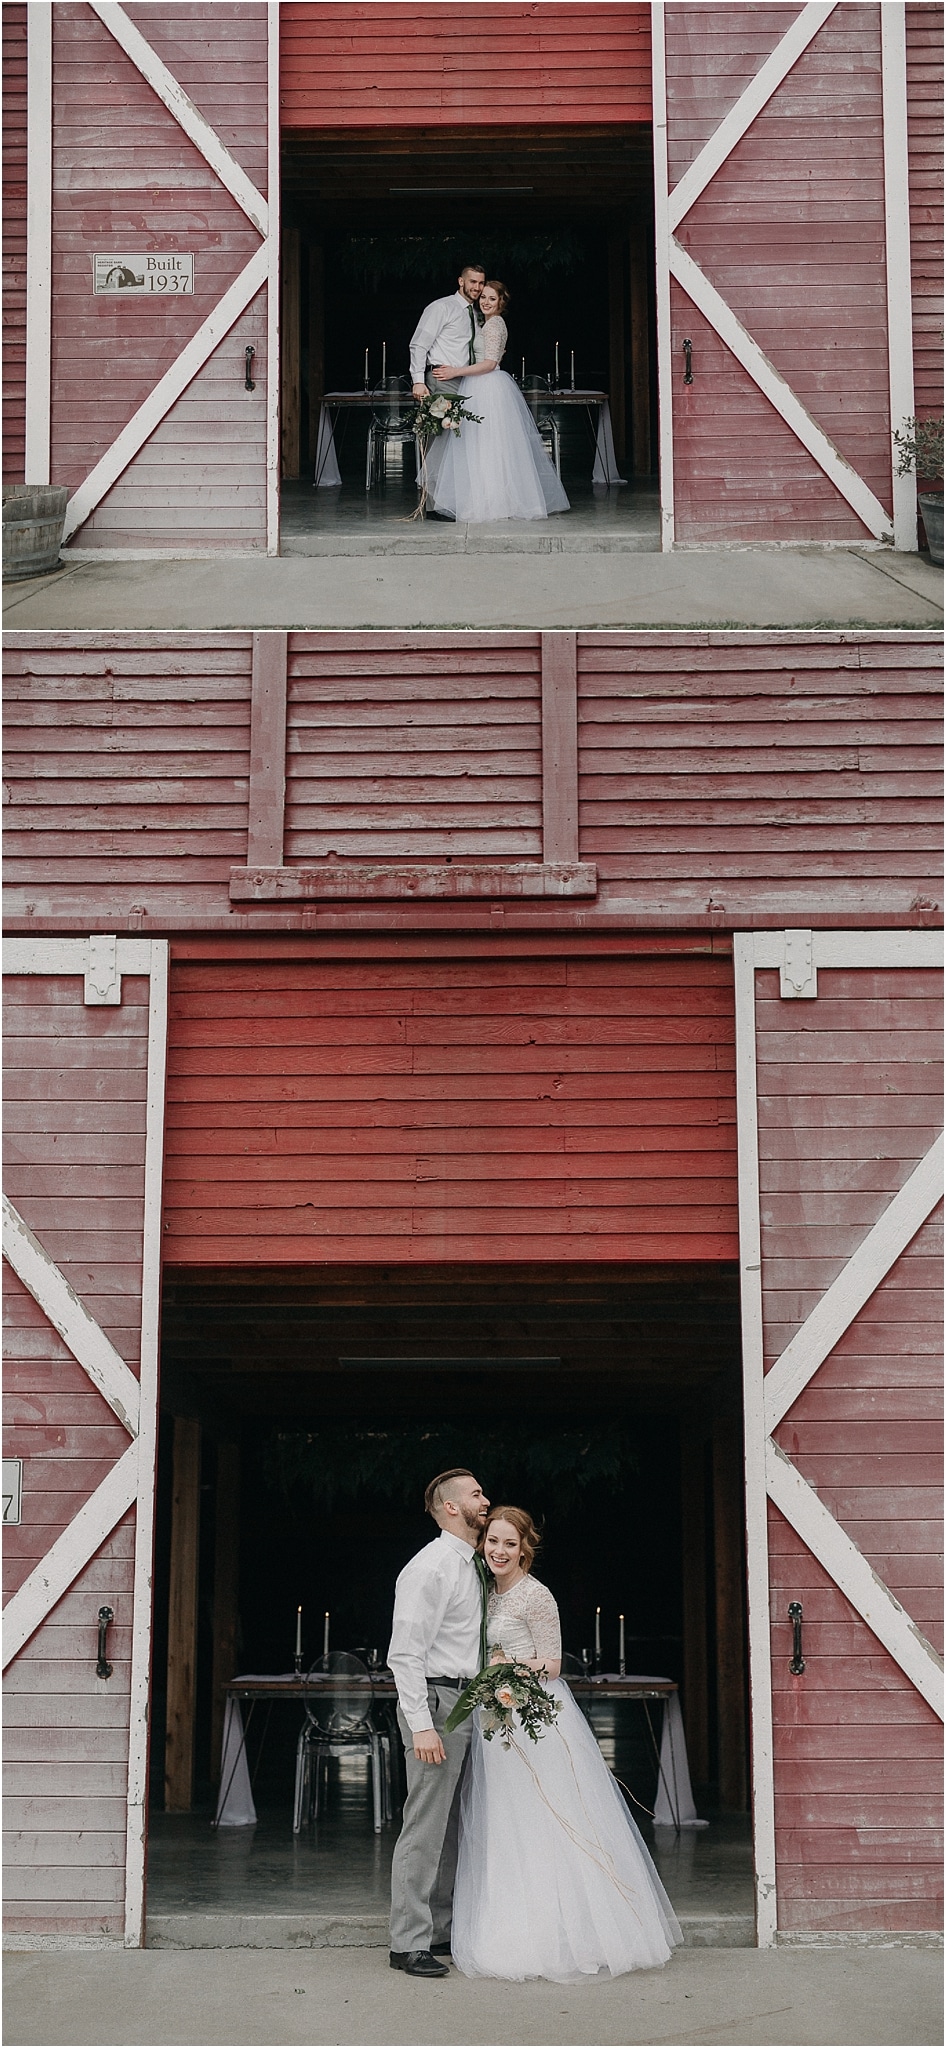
x: 248, y: 354
x: 688, y: 362
x: 103, y: 1668
x: 796, y: 1617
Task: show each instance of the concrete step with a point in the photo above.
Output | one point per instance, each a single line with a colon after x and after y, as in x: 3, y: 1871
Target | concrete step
x: 370, y: 1930
x: 435, y: 538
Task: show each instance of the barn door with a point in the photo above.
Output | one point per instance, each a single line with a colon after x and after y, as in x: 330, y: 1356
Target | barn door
x: 152, y: 254
x: 838, y: 1052
x: 783, y: 272
x: 85, y: 1058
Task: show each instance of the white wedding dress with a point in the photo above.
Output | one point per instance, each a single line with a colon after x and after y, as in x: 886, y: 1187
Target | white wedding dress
x: 553, y: 1878
x: 498, y: 469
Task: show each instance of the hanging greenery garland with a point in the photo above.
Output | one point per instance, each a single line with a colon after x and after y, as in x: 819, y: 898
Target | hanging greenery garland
x: 337, y: 1463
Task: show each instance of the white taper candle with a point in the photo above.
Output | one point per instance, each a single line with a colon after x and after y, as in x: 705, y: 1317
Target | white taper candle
x: 298, y: 1631
x: 597, y: 1631
x: 325, y: 1639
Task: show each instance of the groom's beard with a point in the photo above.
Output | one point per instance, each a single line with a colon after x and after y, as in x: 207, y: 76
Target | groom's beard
x: 472, y: 1520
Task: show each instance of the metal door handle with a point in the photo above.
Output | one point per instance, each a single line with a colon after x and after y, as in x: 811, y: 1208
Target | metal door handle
x: 248, y: 354
x: 103, y: 1668
x: 796, y: 1617
x: 688, y: 362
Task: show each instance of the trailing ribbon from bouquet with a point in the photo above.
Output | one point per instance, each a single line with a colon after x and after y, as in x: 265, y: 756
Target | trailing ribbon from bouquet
x: 433, y: 416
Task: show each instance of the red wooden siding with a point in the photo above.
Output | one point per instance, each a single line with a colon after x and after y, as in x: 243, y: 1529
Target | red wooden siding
x: 487, y: 1109
x: 849, y: 1102
x: 420, y: 752
x: 126, y: 177
x: 794, y: 778
x: 724, y: 780
x: 479, y: 64
x: 925, y: 137
x: 14, y: 242
x: 74, y: 1168
x: 128, y: 772
x: 791, y: 232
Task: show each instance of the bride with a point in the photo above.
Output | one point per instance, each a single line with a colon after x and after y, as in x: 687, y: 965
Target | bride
x: 499, y: 469
x: 553, y: 1878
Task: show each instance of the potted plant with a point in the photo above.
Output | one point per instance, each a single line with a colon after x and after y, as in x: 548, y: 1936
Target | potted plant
x: 921, y: 448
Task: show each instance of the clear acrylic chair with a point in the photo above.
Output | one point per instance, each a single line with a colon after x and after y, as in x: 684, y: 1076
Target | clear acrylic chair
x: 390, y: 424
x: 537, y: 392
x: 338, y: 1699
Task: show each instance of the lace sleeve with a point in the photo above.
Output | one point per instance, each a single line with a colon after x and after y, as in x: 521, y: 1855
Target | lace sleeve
x: 494, y: 339
x: 542, y: 1616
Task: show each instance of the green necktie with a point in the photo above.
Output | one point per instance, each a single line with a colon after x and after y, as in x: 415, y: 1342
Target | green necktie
x: 485, y: 1578
x: 472, y: 358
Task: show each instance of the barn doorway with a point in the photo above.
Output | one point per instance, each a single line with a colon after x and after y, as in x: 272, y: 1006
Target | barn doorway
x: 303, y: 1413
x: 377, y: 223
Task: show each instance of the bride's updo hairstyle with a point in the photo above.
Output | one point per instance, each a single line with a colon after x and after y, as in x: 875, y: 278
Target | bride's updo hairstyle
x: 494, y: 284
x: 524, y: 1527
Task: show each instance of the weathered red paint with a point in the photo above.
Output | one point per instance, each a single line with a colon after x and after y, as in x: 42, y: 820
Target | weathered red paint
x: 849, y: 1102
x: 925, y: 141
x: 479, y: 64
x: 14, y: 242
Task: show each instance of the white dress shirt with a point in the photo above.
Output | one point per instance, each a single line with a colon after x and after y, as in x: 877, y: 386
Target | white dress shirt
x: 438, y: 1607
x: 442, y: 335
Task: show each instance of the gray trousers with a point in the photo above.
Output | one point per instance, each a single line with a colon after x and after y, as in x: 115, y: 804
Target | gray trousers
x: 425, y: 1854
x: 436, y: 387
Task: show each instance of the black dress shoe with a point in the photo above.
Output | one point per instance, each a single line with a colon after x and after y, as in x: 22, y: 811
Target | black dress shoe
x: 418, y: 1962
x: 441, y: 1948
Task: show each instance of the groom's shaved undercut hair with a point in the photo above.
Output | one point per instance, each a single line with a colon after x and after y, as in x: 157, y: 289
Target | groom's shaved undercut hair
x: 436, y: 1492
x: 481, y: 267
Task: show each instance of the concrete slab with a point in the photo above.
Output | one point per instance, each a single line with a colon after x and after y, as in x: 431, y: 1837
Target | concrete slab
x: 763, y: 588
x: 886, y: 1995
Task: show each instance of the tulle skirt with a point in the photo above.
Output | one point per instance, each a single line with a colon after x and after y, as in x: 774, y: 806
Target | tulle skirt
x: 553, y: 1878
x: 498, y: 469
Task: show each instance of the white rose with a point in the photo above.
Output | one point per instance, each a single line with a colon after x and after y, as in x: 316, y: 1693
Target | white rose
x: 439, y: 406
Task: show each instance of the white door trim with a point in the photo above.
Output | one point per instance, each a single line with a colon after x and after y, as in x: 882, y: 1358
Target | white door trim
x: 167, y: 391
x: 39, y: 237
x: 195, y: 124
x: 857, y: 1281
x: 273, y: 442
x: 663, y: 238
x: 769, y: 1473
x: 893, y: 51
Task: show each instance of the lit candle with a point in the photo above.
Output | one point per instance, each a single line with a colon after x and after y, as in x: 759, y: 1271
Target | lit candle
x: 573, y: 369
x: 523, y: 369
x: 325, y: 1639
x: 556, y: 366
x: 384, y: 360
x: 298, y: 1631
x: 597, y: 1631
x: 366, y: 369
x: 621, y: 1644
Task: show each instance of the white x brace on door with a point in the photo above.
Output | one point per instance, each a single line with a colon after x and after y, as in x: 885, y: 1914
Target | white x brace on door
x: 768, y: 1395
x: 102, y: 962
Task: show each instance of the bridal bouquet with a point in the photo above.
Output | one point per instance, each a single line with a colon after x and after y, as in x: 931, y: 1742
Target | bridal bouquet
x: 503, y: 1690
x: 434, y: 415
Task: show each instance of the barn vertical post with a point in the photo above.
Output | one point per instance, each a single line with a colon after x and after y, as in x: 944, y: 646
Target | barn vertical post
x: 316, y: 361
x: 291, y: 353
x: 640, y: 437
x: 267, y: 751
x: 182, y: 1617
x: 893, y: 51
x: 730, y: 1652
x: 695, y: 1672
x: 662, y: 241
x: 226, y: 1585
x: 617, y: 266
x: 559, y: 747
x: 273, y: 198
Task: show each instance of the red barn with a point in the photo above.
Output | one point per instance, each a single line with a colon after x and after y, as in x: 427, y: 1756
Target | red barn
x: 757, y: 191
x: 579, y: 992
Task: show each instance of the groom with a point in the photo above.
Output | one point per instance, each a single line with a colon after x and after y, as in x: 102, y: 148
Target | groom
x: 438, y: 1643
x: 448, y: 331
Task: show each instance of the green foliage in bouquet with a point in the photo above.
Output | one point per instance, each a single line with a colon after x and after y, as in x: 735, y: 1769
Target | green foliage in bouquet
x: 441, y: 413
x: 504, y: 1690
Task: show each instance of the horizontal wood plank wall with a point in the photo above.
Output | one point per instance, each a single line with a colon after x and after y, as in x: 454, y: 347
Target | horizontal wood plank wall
x: 791, y: 232
x: 849, y: 1101
x: 128, y: 773
x: 125, y: 176
x: 925, y: 140
x: 418, y: 751
x: 74, y: 1168
x: 489, y: 1109
x: 482, y: 63
x: 14, y: 242
x: 789, y: 777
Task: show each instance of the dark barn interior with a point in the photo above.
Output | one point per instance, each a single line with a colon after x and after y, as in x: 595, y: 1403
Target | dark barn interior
x: 378, y: 222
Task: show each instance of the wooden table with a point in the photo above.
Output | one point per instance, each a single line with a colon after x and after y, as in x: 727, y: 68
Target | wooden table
x: 294, y: 1687
x: 596, y: 404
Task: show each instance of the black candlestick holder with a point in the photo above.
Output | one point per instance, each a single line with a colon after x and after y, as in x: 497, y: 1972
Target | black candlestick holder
x: 297, y: 1663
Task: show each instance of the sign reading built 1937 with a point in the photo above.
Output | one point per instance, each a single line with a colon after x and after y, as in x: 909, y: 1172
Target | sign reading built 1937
x: 155, y: 272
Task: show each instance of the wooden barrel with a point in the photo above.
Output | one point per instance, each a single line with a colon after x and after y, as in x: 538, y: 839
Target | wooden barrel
x: 33, y: 516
